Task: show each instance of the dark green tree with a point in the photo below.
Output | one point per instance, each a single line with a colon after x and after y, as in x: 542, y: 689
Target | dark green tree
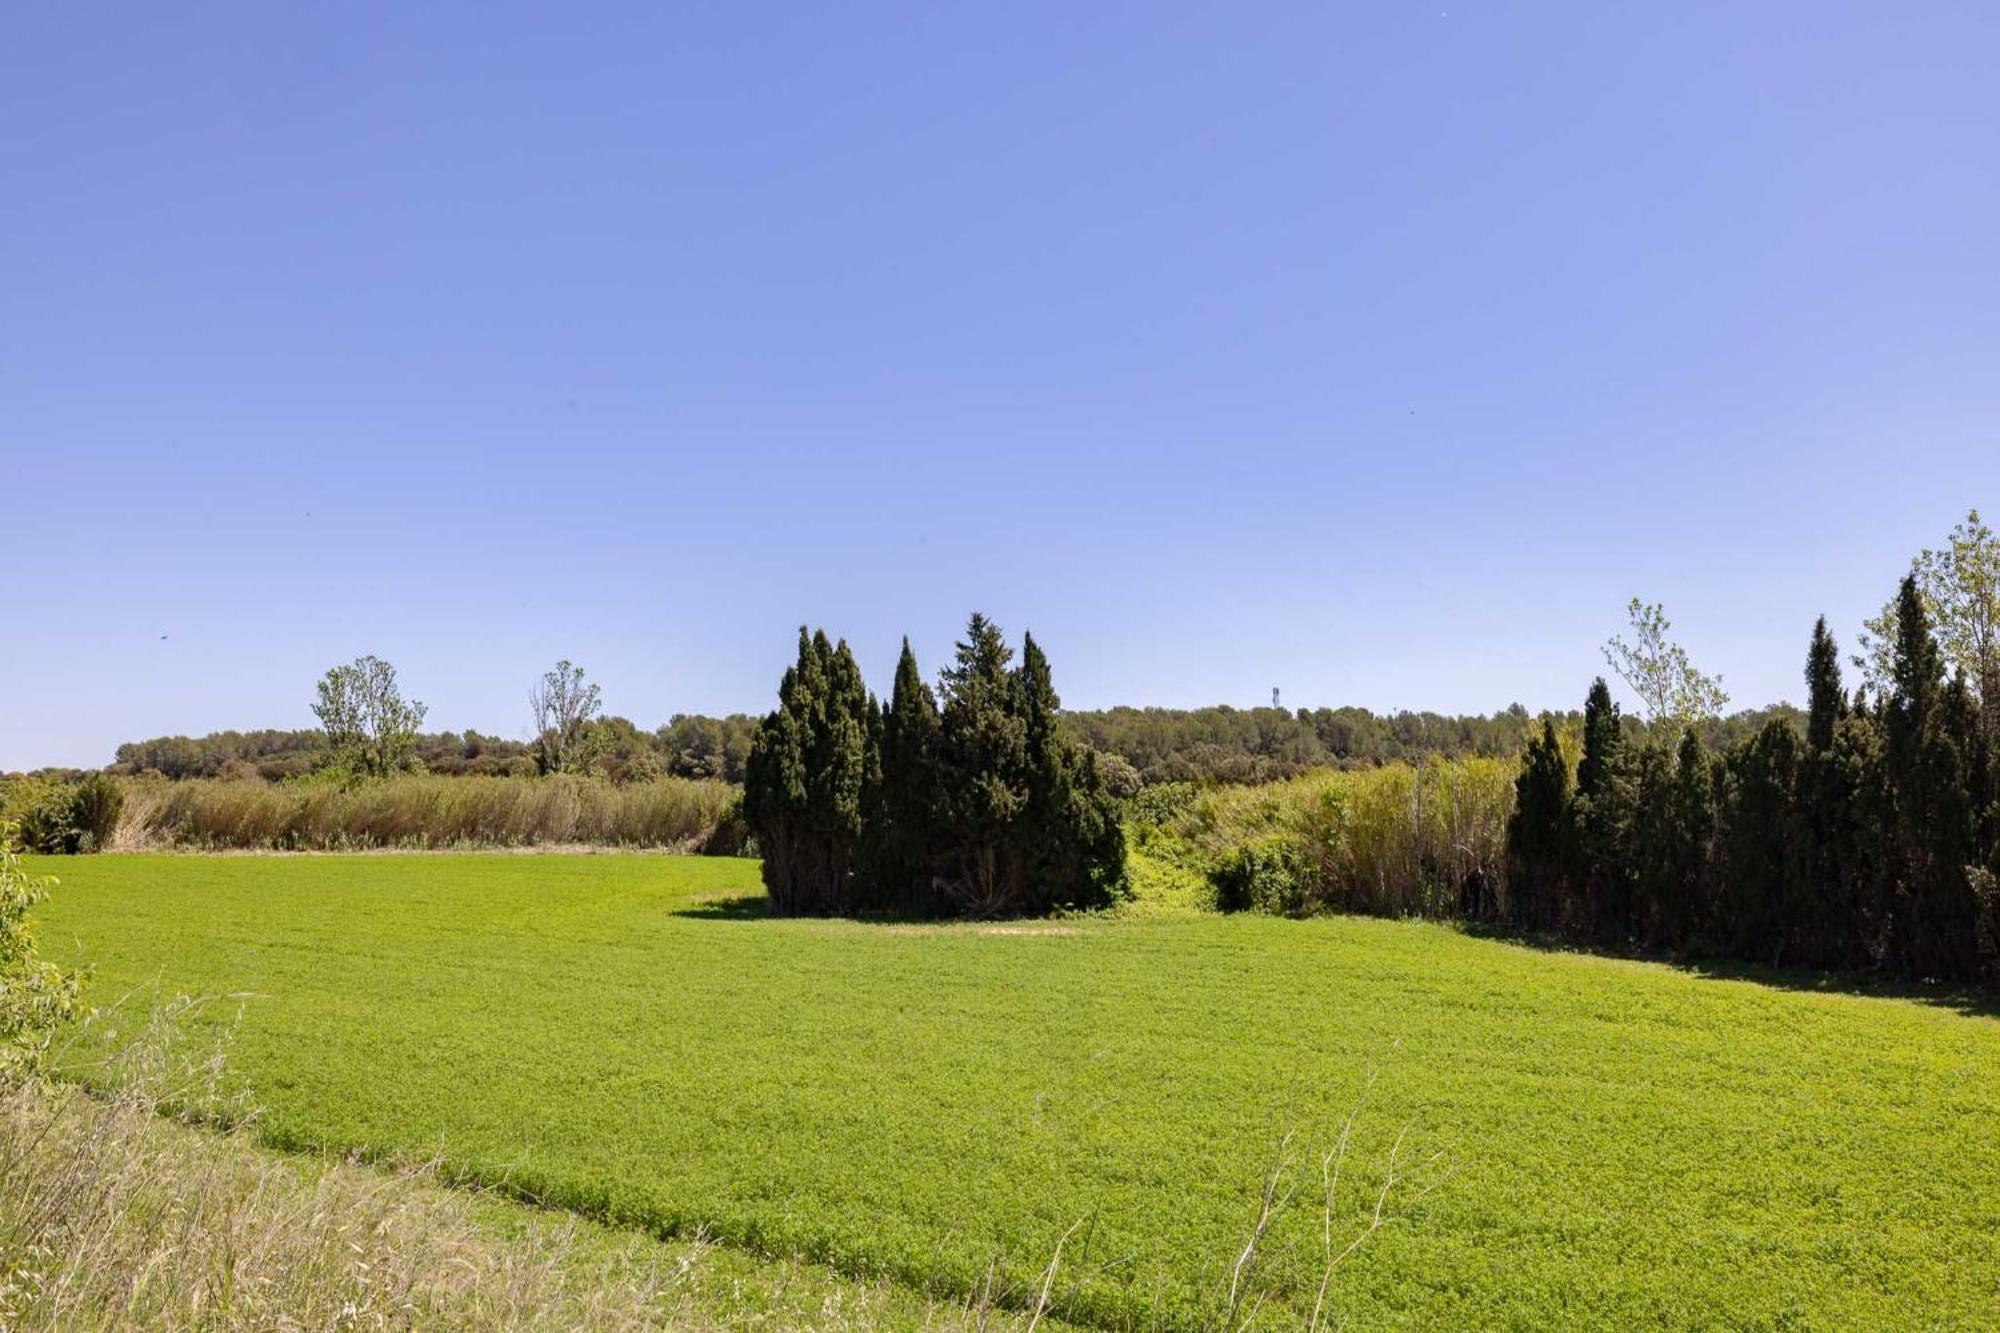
x: 807, y: 778
x: 905, y: 830
x: 1685, y: 909
x: 983, y: 763
x: 1932, y: 917
x: 1072, y: 843
x: 1652, y: 868
x: 1538, y: 835
x: 1604, y: 812
x: 1757, y: 909
x: 1824, y: 930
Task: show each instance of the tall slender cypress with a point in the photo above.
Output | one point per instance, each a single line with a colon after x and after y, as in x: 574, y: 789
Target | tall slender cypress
x: 905, y: 829
x: 1932, y: 917
x: 1538, y: 834
x: 1825, y: 913
x: 1603, y: 809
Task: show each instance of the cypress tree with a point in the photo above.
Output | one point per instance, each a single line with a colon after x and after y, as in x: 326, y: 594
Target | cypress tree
x: 1932, y: 925
x: 1603, y: 809
x: 1538, y: 834
x: 807, y: 777
x: 1690, y: 848
x: 1758, y: 916
x: 905, y: 826
x: 1861, y: 824
x: 1826, y: 915
x: 1654, y: 869
x: 1071, y: 841
x: 982, y: 773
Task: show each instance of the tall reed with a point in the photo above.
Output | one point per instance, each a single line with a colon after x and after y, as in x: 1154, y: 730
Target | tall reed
x: 1401, y: 840
x: 421, y: 811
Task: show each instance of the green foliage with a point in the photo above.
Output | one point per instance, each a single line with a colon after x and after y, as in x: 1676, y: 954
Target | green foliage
x: 1930, y: 835
x: 1864, y: 838
x: 1405, y: 840
x: 628, y: 1039
x: 369, y: 727
x: 36, y: 996
x: 1540, y: 836
x: 565, y: 710
x: 982, y: 805
x: 54, y: 816
x: 1660, y: 673
x: 1603, y: 814
x: 1159, y: 803
x: 1266, y: 874
x: 907, y: 805
x: 1762, y: 846
x: 808, y: 772
x: 1958, y: 586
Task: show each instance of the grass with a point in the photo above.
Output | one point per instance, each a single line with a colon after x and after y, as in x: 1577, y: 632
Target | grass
x: 630, y: 1037
x: 113, y: 1216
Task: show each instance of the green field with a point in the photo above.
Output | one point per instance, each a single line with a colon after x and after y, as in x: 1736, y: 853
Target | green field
x: 1623, y: 1143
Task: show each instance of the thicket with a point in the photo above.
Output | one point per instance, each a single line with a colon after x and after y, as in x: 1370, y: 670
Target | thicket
x: 36, y: 996
x: 53, y: 815
x: 974, y: 800
x: 422, y: 811
x: 1426, y: 839
x: 1868, y: 839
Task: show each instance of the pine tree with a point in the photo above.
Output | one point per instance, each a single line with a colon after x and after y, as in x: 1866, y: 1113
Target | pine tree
x: 1538, y: 834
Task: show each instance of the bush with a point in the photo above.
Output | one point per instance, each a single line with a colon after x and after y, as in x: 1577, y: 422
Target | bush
x: 1262, y: 876
x: 36, y: 997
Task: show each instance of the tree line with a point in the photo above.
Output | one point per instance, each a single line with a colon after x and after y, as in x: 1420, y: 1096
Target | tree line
x: 1869, y: 839
x: 972, y: 800
x: 689, y: 746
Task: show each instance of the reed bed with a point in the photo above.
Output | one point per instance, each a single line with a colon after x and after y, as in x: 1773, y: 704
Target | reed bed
x: 1401, y: 840
x: 426, y: 812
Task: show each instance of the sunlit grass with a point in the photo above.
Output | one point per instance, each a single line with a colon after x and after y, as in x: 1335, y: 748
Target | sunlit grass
x: 629, y: 1036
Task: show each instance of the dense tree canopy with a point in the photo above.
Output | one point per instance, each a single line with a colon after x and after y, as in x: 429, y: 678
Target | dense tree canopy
x: 973, y: 802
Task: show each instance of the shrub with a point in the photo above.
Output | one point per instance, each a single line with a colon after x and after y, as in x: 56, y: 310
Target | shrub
x: 36, y: 996
x: 1266, y: 875
x: 95, y: 806
x: 42, y: 814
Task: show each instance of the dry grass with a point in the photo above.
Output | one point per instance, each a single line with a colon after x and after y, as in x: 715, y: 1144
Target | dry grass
x: 420, y: 812
x: 116, y: 1212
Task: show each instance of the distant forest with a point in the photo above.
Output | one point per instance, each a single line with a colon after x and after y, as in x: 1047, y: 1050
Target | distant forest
x: 1216, y: 744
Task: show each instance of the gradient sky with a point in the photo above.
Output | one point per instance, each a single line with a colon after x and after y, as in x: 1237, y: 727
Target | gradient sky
x: 1377, y: 352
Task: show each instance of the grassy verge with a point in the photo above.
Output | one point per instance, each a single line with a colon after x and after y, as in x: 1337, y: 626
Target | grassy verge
x: 632, y: 1038
x: 114, y: 1216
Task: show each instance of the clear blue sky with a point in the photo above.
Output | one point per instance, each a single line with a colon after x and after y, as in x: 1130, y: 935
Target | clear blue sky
x: 1377, y: 352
